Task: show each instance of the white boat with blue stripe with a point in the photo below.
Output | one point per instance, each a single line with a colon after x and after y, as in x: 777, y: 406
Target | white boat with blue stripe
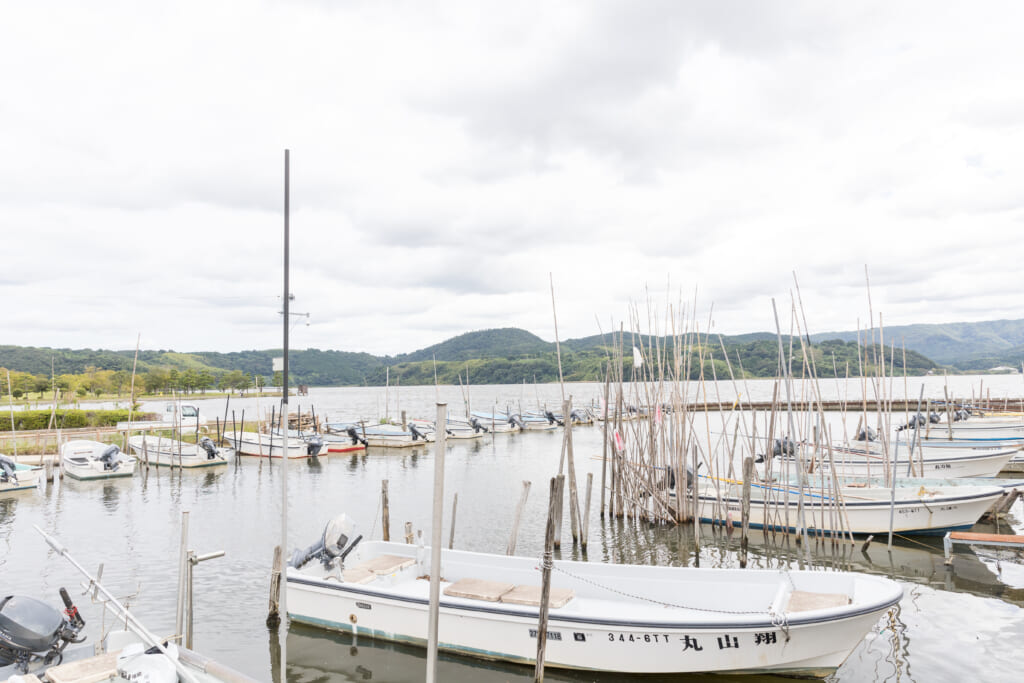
x: 603, y: 617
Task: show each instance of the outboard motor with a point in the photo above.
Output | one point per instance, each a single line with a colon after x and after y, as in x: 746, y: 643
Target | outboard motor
x: 333, y: 543
x: 915, y: 422
x: 783, y: 446
x: 477, y: 427
x: 516, y: 421
x: 867, y: 434
x: 416, y: 434
x: 691, y: 478
x: 32, y: 631
x: 206, y: 443
x: 314, y: 443
x: 354, y: 435
x: 961, y: 415
x: 934, y: 418
x: 552, y: 418
x: 111, y: 457
x: 7, y: 469
x: 578, y: 416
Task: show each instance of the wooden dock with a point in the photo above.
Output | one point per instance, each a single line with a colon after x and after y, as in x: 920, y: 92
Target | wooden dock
x: 969, y: 538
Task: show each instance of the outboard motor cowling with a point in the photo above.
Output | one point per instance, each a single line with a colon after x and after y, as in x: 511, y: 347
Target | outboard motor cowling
x: 915, y: 422
x: 416, y: 434
x: 354, y: 435
x: 7, y: 469
x: 783, y: 446
x: 477, y: 427
x: 313, y: 444
x: 334, y: 542
x: 516, y: 421
x: 32, y: 631
x: 206, y: 443
x: 934, y: 418
x: 111, y: 457
x: 866, y: 434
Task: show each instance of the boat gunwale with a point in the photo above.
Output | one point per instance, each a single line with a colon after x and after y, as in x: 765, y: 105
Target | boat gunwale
x: 832, y: 615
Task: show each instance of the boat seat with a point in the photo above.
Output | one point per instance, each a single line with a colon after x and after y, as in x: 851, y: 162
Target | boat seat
x: 385, y: 564
x: 805, y: 601
x: 358, y: 575
x: 530, y: 595
x: 98, y: 668
x: 478, y: 589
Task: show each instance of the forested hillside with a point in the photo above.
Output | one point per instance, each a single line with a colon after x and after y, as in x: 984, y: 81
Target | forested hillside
x: 506, y: 356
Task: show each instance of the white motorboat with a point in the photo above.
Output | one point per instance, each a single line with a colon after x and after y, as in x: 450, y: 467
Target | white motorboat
x: 266, y: 445
x: 42, y: 643
x: 84, y: 459
x: 869, y: 460
x: 603, y: 617
x: 856, y: 508
x: 167, y: 452
x: 347, y: 441
x: 455, y: 428
x: 387, y: 435
x: 538, y: 421
x: 496, y: 423
x: 15, y: 476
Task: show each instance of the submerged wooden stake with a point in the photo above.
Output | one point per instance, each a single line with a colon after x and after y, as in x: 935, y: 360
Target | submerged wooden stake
x: 273, y: 613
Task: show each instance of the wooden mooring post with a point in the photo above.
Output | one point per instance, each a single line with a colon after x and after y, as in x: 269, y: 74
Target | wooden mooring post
x: 385, y: 511
x: 748, y: 475
x: 273, y: 612
x: 554, y: 503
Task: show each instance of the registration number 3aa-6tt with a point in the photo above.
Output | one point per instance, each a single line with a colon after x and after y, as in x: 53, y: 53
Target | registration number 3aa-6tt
x: 638, y: 637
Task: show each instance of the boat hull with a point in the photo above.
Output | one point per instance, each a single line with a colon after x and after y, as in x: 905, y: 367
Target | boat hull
x: 80, y: 459
x: 266, y: 446
x: 164, y: 452
x: 650, y: 640
x: 938, y: 463
x: 927, y: 514
x: 27, y: 477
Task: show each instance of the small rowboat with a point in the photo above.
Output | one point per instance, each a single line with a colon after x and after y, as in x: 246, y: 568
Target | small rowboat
x: 603, y: 617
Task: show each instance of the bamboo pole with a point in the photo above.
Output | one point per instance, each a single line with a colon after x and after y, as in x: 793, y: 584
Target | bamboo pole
x: 511, y: 547
x: 451, y: 533
x: 586, y: 513
x: 435, y: 545
x: 748, y: 475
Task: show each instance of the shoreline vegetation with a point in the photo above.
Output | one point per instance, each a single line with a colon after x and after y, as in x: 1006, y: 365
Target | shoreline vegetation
x: 499, y: 356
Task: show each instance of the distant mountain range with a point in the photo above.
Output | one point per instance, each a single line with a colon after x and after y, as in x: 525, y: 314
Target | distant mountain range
x: 963, y: 346
x: 512, y: 355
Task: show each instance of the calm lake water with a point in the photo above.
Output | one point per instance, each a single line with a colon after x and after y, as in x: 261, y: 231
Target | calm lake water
x: 951, y: 626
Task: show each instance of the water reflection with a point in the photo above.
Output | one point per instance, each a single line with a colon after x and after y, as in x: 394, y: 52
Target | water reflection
x: 329, y: 657
x: 8, y: 504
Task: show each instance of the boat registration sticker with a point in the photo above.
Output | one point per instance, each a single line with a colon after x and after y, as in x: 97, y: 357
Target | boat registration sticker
x: 552, y: 635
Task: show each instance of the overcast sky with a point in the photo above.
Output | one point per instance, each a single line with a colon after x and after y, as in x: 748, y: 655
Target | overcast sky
x: 447, y: 157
